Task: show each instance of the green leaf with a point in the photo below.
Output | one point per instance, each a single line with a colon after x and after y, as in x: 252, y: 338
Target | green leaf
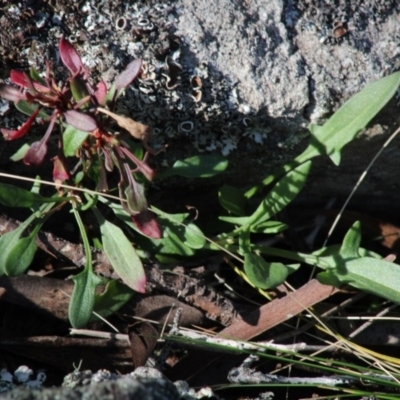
x: 7, y: 243
x: 72, y: 140
x: 351, y: 242
x: 173, y: 242
x: 29, y: 108
x: 121, y: 254
x: 329, y: 278
x: 342, y: 127
x: 269, y: 227
x: 83, y: 297
x: 34, y: 74
x: 235, y: 220
x: 352, y: 116
x: 21, y: 255
x: 281, y: 194
x: 244, y: 242
x: 13, y: 196
x: 372, y: 275
x: 178, y: 239
x: 194, y: 237
x: 204, y: 166
x: 20, y: 153
x: 232, y: 199
x: 78, y: 89
x: 111, y: 94
x: 262, y: 274
x: 112, y: 299
x: 189, y: 234
x: 9, y: 257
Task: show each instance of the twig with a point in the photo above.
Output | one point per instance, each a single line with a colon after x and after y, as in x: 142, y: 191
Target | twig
x: 278, y: 311
x: 246, y: 375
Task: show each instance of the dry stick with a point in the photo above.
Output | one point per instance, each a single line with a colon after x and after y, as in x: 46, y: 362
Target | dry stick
x: 258, y: 322
x: 278, y: 311
x: 360, y: 180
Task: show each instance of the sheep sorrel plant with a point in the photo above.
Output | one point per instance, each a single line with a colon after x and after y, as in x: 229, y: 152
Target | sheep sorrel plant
x: 81, y: 116
x: 78, y: 110
x: 81, y: 112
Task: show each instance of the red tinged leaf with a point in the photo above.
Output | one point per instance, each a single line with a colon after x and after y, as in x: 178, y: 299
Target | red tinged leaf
x: 10, y: 93
x: 71, y: 58
x: 19, y: 78
x: 38, y: 150
x: 23, y: 80
x: 60, y: 171
x: 126, y: 77
x: 101, y: 92
x: 108, y: 162
x: 134, y: 192
x: 141, y: 166
x: 36, y: 153
x: 80, y: 121
x: 147, y: 224
x: 21, y: 132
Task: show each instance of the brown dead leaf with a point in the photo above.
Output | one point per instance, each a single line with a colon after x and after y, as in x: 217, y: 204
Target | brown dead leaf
x: 136, y: 129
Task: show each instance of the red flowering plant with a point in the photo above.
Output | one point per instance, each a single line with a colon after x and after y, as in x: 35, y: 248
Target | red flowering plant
x: 82, y: 112
x: 86, y: 121
x: 79, y: 108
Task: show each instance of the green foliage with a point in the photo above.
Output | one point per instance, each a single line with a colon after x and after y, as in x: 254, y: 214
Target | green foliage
x: 180, y: 236
x: 12, y: 263
x: 82, y: 300
x: 83, y: 297
x: 121, y: 254
x: 345, y: 264
x: 29, y: 108
x: 342, y: 127
x: 17, y: 251
x: 262, y: 274
x: 232, y: 199
x: 204, y: 166
x: 72, y: 140
x: 350, y: 119
x: 13, y: 196
x: 83, y: 133
x: 112, y: 298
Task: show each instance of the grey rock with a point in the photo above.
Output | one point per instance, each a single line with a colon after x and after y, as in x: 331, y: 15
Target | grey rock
x: 126, y: 388
x: 267, y: 69
x: 247, y: 42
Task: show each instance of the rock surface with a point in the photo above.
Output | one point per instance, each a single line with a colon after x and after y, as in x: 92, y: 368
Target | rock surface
x: 241, y: 78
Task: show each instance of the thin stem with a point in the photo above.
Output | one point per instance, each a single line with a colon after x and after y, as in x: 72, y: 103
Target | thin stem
x: 85, y: 240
